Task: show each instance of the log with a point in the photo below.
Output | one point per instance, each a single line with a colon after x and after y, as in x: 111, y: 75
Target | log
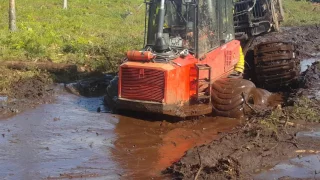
x: 45, y: 66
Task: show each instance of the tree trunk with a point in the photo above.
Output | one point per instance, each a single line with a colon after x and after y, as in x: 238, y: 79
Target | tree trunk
x: 65, y: 4
x: 12, y: 15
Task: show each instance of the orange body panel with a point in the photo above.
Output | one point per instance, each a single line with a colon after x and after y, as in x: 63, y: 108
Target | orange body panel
x: 174, y: 83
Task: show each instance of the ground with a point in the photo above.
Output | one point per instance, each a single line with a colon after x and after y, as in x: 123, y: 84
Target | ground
x: 23, y: 90
x: 267, y: 137
x: 263, y: 140
x: 306, y: 38
x: 46, y: 142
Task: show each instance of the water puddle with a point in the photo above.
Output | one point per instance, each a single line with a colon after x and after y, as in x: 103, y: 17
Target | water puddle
x: 57, y: 140
x: 305, y: 167
x: 308, y: 62
x: 3, y: 98
x: 313, y: 134
x: 300, y: 167
x: 146, y: 148
x: 70, y: 139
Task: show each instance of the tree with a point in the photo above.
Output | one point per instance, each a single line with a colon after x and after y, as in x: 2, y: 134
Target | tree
x: 12, y: 16
x: 65, y: 4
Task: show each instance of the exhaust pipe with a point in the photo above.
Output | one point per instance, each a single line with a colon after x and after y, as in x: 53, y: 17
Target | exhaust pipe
x: 160, y: 44
x: 161, y: 20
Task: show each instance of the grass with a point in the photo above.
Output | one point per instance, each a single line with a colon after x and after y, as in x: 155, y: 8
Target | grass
x: 91, y: 33
x: 301, y: 12
x: 304, y: 109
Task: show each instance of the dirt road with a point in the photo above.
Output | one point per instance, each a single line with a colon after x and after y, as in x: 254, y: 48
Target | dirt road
x: 70, y: 139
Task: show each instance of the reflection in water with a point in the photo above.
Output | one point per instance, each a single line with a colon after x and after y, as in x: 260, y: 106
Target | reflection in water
x: 308, y: 62
x: 145, y: 148
x: 65, y: 139
x: 306, y: 167
x: 70, y: 139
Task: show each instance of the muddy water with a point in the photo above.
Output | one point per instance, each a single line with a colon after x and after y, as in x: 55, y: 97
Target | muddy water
x: 145, y: 148
x: 305, y: 166
x: 69, y: 139
x: 64, y: 139
x: 308, y: 62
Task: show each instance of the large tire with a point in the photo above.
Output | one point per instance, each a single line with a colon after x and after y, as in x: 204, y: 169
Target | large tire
x: 111, y: 96
x: 229, y: 95
x: 276, y: 65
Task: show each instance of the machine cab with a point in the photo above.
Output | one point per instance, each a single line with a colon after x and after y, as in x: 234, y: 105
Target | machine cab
x: 197, y: 25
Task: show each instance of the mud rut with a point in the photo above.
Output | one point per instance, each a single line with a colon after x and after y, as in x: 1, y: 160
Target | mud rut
x: 69, y: 139
x: 251, y: 151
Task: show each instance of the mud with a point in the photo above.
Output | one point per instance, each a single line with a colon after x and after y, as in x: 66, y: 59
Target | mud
x: 305, y: 166
x: 70, y: 139
x: 90, y: 87
x: 268, y: 138
x: 307, y: 39
x: 242, y: 154
x: 26, y: 93
x: 310, y: 82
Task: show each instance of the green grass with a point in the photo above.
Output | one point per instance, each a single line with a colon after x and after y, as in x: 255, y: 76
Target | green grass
x: 301, y: 12
x: 91, y: 33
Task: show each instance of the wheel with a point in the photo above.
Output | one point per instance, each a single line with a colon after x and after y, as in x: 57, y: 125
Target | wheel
x: 229, y: 95
x: 275, y: 65
x: 112, y: 94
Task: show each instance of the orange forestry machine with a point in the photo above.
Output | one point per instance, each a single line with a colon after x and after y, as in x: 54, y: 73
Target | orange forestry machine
x: 189, y: 44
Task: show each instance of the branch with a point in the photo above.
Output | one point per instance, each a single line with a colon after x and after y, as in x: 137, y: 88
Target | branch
x: 200, y: 168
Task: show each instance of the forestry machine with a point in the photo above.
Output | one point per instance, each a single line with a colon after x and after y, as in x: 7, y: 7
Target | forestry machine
x: 191, y: 63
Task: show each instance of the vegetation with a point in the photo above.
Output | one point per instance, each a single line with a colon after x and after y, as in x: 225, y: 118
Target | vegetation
x: 93, y: 33
x: 90, y: 33
x: 303, y: 110
x: 301, y: 12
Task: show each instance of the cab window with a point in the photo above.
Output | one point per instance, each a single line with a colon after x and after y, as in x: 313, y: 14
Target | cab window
x: 226, y: 21
x: 208, y: 26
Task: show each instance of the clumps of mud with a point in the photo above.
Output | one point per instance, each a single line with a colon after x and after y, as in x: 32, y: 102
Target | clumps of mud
x: 27, y: 93
x: 33, y: 88
x: 242, y: 153
x: 307, y: 39
x: 311, y: 78
x: 310, y: 84
x: 91, y: 87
